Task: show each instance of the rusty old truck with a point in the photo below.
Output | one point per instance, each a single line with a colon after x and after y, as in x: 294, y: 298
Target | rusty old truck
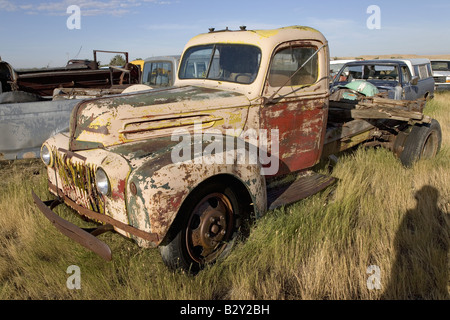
x: 184, y: 168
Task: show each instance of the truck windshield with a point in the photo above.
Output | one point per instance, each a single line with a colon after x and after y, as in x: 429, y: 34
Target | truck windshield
x: 440, y: 65
x: 225, y: 62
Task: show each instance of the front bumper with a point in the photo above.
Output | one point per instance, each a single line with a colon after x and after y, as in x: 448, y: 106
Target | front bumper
x: 87, y: 237
x: 442, y: 86
x: 82, y: 236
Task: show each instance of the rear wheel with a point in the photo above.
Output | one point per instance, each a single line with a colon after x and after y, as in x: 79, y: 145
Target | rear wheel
x: 207, y: 229
x: 423, y: 142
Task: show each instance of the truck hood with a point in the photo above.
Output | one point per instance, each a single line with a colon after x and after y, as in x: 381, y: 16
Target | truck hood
x: 133, y: 117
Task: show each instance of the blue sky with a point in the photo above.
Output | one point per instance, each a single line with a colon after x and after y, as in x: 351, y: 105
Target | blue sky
x: 35, y: 33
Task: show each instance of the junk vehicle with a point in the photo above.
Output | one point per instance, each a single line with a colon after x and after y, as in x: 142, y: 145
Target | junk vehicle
x: 160, y: 71
x: 26, y: 125
x: 183, y: 168
x: 398, y: 79
x: 441, y: 74
x: 77, y: 73
x: 29, y: 113
x: 156, y: 72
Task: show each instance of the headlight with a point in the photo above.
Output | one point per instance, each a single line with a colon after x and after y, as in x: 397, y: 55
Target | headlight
x: 46, y: 155
x: 102, y: 182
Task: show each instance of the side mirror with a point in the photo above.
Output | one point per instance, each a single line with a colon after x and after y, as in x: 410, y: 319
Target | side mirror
x: 414, y: 81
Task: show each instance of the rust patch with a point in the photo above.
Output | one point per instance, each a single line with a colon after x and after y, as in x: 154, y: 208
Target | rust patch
x: 119, y: 192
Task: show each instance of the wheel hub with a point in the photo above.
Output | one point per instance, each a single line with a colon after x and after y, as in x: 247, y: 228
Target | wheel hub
x: 208, y: 228
x: 213, y: 228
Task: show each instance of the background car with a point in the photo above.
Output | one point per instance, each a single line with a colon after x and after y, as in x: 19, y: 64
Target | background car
x: 400, y: 79
x: 441, y: 74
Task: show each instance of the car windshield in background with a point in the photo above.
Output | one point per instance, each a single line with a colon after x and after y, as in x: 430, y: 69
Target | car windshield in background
x: 440, y: 65
x: 369, y: 72
x: 224, y: 62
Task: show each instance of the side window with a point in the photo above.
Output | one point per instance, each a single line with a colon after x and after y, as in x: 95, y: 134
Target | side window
x: 406, y: 74
x: 416, y: 71
x: 430, y: 72
x: 146, y: 73
x: 287, y: 61
x: 423, y: 71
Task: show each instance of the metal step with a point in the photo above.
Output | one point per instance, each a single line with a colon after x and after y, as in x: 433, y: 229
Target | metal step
x: 292, y: 189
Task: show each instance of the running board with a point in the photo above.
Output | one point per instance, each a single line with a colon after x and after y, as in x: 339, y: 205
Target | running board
x: 306, y: 184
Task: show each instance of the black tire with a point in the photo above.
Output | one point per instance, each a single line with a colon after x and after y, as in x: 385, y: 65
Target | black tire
x: 206, y: 229
x: 423, y: 142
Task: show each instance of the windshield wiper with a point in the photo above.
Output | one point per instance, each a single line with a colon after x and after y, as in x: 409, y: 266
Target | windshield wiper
x: 210, y: 61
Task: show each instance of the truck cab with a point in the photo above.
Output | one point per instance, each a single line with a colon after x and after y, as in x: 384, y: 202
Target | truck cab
x: 160, y: 71
x: 260, y: 67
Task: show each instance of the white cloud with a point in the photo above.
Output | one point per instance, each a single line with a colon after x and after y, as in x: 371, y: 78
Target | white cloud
x: 88, y: 7
x: 6, y: 5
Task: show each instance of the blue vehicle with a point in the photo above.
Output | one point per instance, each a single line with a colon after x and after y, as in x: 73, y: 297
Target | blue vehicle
x: 399, y: 79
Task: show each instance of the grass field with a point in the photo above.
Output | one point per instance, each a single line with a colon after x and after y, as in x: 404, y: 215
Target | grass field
x: 378, y: 214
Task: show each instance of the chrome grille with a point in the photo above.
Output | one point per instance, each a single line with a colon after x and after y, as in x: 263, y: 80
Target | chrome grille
x: 440, y: 79
x: 77, y: 181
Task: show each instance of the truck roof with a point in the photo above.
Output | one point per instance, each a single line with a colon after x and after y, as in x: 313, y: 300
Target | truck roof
x: 376, y: 61
x: 391, y: 61
x: 166, y: 57
x: 416, y: 61
x: 261, y: 38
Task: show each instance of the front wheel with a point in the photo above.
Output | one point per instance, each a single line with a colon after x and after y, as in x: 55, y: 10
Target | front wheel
x: 207, y: 229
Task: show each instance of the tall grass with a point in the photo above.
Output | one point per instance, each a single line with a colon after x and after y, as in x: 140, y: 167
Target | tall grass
x: 378, y: 214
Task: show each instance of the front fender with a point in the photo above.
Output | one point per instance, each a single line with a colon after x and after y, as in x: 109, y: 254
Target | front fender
x: 159, y: 186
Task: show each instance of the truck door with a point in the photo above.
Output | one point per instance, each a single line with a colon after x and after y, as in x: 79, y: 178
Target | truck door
x: 297, y: 103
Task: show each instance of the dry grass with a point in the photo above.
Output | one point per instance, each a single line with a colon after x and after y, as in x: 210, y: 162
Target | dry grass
x: 379, y: 213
